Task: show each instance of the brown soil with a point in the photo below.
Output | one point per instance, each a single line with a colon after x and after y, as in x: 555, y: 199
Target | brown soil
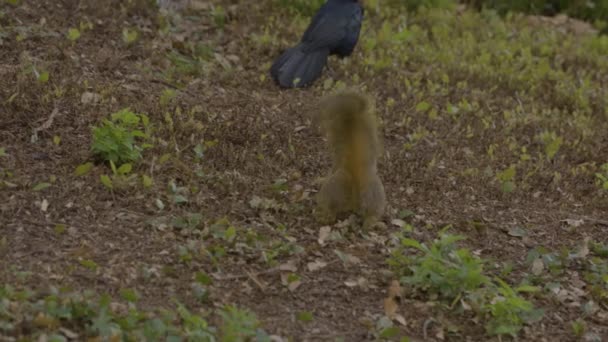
x: 264, y: 134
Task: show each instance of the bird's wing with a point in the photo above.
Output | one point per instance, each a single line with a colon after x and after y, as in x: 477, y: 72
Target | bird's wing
x: 328, y: 27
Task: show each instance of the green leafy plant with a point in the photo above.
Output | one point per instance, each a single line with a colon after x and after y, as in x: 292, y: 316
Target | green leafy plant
x: 219, y: 16
x: 552, y: 143
x: 73, y: 34
x: 239, y: 325
x: 602, y: 177
x: 508, y: 310
x: 441, y: 269
x: 578, y: 328
x: 122, y: 138
x: 129, y: 36
x: 596, y: 276
x: 506, y: 179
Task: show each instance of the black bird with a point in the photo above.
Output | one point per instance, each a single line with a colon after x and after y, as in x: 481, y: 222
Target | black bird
x: 334, y: 30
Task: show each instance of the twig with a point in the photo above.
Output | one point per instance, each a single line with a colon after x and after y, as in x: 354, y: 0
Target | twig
x: 248, y: 275
x: 45, y: 125
x: 255, y: 279
x: 425, y: 327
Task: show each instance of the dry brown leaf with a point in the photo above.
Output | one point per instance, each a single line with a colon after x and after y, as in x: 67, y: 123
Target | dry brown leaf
x: 324, y: 234
x: 391, y: 303
x: 363, y: 283
x: 294, y: 285
x: 465, y: 305
x: 440, y: 335
x: 289, y: 266
x: 45, y: 321
x: 257, y: 281
x: 538, y: 266
x: 390, y: 307
x: 395, y: 290
x: 316, y: 265
x: 89, y: 98
x: 573, y: 222
x: 68, y: 333
x: 351, y: 283
x: 400, y: 319
x: 44, y: 205
x: 398, y: 223
x: 584, y: 250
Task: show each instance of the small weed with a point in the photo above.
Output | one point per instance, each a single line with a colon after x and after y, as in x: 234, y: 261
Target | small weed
x: 578, y: 328
x: 602, y: 177
x: 509, y: 311
x: 552, y: 143
x: 190, y: 221
x: 219, y: 16
x: 73, y: 34
x: 129, y: 36
x: 453, y: 274
x: 596, y: 276
x: 167, y: 96
x: 122, y: 138
x: 239, y: 325
x: 506, y: 179
x: 441, y: 269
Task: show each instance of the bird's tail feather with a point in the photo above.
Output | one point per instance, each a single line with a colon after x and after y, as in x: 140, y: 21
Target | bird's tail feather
x: 297, y: 67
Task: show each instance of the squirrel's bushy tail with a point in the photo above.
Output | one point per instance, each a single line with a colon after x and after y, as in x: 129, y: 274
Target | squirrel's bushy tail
x: 349, y: 122
x: 297, y: 67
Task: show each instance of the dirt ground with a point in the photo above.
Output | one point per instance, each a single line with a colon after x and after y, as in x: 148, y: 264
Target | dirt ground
x: 257, y: 135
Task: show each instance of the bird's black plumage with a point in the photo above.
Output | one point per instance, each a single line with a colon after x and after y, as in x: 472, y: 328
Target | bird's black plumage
x: 334, y: 30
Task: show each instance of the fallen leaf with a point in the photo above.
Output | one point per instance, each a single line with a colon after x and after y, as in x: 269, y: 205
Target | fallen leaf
x: 395, y: 290
x: 89, y: 98
x: 538, y: 266
x: 294, y: 285
x: 324, y: 234
x: 573, y: 223
x: 400, y: 319
x: 44, y: 205
x: 390, y: 307
x: 398, y: 223
x: 351, y: 283
x: 347, y: 258
x: 288, y: 267
x: 316, y: 265
x: 363, y: 283
x: 257, y: 281
x: 41, y: 186
x: 45, y: 321
x: 69, y: 333
x: 583, y: 251
x: 518, y: 232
